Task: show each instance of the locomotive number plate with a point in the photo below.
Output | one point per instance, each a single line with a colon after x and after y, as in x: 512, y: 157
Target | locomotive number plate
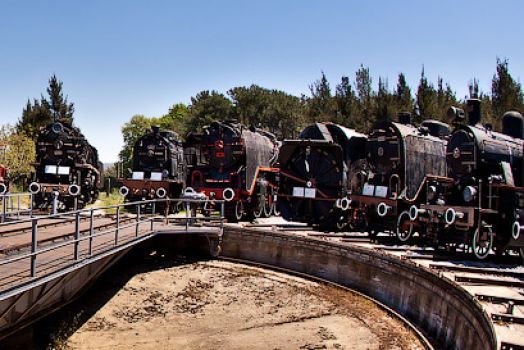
x: 305, y: 192
x: 219, y: 154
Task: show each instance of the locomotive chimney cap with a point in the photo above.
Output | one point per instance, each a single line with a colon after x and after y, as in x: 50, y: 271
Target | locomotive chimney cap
x: 474, y: 111
x: 513, y: 124
x: 155, y: 129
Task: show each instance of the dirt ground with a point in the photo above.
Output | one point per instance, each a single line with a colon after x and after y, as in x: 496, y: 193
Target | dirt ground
x: 221, y: 305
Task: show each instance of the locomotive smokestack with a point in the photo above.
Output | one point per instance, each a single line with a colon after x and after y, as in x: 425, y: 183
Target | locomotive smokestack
x: 404, y: 118
x: 513, y: 124
x: 474, y: 112
x: 155, y: 129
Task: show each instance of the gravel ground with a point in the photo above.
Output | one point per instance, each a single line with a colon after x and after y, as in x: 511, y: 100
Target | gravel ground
x: 221, y: 305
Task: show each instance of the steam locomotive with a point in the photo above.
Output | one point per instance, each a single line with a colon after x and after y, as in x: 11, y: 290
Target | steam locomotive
x: 398, y: 157
x: 481, y: 204
x: 67, y: 169
x: 232, y: 162
x: 158, y: 167
x: 4, y: 179
x: 317, y: 173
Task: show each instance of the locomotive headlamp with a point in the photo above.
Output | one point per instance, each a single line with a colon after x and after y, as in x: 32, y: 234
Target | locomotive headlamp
x: 165, y: 173
x: 469, y: 193
x: 34, y: 187
x: 228, y: 194
x: 57, y: 128
x: 124, y: 191
x: 3, y: 188
x: 74, y: 190
x: 456, y: 153
x: 432, y: 192
x: 161, y: 192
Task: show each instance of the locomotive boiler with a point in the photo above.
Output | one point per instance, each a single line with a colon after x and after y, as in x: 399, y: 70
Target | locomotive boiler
x: 67, y: 169
x: 481, y: 204
x: 317, y: 173
x: 158, y: 168
x: 229, y: 161
x: 399, y: 156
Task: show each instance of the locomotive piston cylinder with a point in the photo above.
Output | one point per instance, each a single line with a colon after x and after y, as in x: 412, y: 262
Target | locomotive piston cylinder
x: 124, y: 191
x: 451, y: 215
x: 228, y: 194
x: 516, y: 229
x: 415, y: 212
x: 34, y: 187
x: 383, y: 209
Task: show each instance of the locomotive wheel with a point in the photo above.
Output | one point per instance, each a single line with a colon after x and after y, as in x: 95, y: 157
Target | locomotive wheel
x: 258, y: 210
x: 404, y: 227
x: 239, y: 210
x: 482, y: 242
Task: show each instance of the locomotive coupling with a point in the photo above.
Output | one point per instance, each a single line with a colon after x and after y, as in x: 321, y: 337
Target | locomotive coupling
x: 516, y: 229
x: 3, y: 188
x: 161, y: 192
x: 451, y: 215
x: 343, y: 203
x: 74, y: 190
x: 124, y: 191
x: 383, y: 209
x: 415, y: 212
x: 228, y: 194
x: 34, y: 187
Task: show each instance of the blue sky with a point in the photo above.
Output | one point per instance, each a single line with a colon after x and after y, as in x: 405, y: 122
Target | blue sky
x: 126, y: 57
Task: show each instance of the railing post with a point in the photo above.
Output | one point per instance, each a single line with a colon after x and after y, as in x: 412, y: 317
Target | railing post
x: 30, y: 204
x: 222, y: 213
x: 91, y: 231
x: 117, y: 224
x: 3, y: 208
x: 137, y: 219
x: 18, y: 208
x: 77, y: 234
x: 188, y: 207
x: 153, y: 212
x: 34, y: 245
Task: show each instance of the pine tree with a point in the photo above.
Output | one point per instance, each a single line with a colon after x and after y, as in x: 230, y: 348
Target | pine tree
x: 60, y: 109
x: 426, y: 100
x: 364, y: 96
x: 403, y: 98
x: 321, y: 106
x: 385, y: 109
x: 346, y: 102
x: 506, y: 93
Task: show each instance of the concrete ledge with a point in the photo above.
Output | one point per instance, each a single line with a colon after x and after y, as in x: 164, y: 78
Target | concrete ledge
x: 441, y: 309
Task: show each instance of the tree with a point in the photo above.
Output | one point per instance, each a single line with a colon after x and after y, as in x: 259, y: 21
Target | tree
x: 506, y: 93
x: 42, y: 112
x: 385, y: 109
x: 445, y: 98
x: 250, y: 104
x: 206, y: 107
x: 346, y: 104
x: 364, y: 97
x: 320, y: 105
x: 403, y: 98
x: 175, y: 118
x: 18, y: 154
x: 426, y: 100
x: 285, y: 114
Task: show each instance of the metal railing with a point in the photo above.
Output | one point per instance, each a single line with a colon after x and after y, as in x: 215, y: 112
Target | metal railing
x: 92, y: 234
x: 12, y: 205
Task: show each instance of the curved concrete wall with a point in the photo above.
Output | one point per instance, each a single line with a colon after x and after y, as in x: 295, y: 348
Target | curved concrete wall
x: 446, y: 313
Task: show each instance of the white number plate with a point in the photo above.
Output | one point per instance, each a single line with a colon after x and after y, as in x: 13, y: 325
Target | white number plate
x: 304, y: 192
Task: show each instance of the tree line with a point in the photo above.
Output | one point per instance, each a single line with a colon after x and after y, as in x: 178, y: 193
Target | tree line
x: 353, y: 102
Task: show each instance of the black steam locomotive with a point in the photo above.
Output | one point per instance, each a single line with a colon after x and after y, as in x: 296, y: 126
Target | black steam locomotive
x: 317, y: 173
x: 232, y: 162
x: 398, y: 157
x: 481, y: 204
x: 67, y: 169
x: 158, y: 167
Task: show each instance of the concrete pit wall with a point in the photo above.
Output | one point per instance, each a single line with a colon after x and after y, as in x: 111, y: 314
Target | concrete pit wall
x: 441, y: 309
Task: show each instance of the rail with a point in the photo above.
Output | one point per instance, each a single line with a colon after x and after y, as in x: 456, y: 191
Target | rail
x: 12, y: 205
x: 89, y: 239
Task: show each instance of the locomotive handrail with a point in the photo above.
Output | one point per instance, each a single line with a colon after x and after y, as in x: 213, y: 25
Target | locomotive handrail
x: 118, y: 227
